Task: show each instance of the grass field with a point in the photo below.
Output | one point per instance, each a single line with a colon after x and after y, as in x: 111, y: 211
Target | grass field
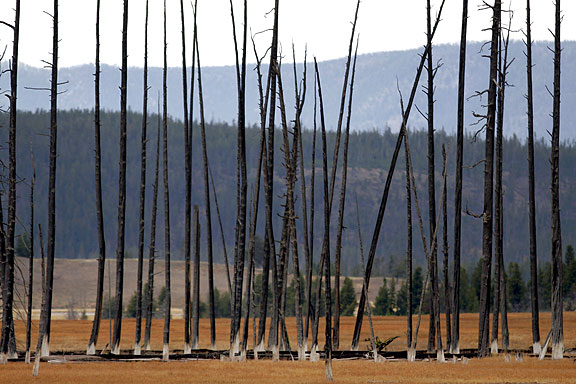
x: 71, y: 336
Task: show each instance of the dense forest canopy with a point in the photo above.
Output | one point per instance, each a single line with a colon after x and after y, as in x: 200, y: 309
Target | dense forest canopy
x: 369, y: 156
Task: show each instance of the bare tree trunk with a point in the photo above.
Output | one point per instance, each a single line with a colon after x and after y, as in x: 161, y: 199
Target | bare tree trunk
x: 484, y: 319
x: 144, y: 139
x: 168, y: 299
x: 536, y: 347
x: 152, y: 248
x: 122, y: 189
x: 455, y: 345
x: 447, y: 291
x: 196, y: 292
x: 429, y: 90
x: 384, y: 199
x: 31, y: 260
x: 557, y: 310
x: 326, y: 247
x: 411, y: 354
x: 207, y: 202
x: 242, y: 190
x: 46, y: 314
x: 8, y: 347
x: 91, y: 350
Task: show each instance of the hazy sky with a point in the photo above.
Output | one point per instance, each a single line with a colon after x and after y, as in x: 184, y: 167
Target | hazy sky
x: 324, y: 25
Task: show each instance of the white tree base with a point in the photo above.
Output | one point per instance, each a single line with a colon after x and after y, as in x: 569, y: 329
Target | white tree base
x: 558, y: 351
x: 411, y: 355
x: 187, y: 349
x: 536, y: 348
x: 27, y: 358
x: 116, y: 349
x: 165, y: 353
x: 301, y: 353
x: 45, y: 350
x: 329, y: 375
x: 36, y: 366
x: 494, y: 347
x: 91, y: 350
x: 440, y: 356
x: 314, y: 355
x: 137, y: 350
x: 275, y: 353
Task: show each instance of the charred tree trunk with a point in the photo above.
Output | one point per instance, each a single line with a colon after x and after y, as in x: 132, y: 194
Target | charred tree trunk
x: 31, y: 261
x: 447, y: 288
x: 536, y: 347
x: 142, y: 193
x: 122, y: 189
x: 152, y: 248
x: 168, y: 299
x: 99, y: 211
x: 455, y: 345
x: 408, y: 257
x: 557, y: 305
x: 325, y: 247
x: 8, y: 345
x: 429, y: 90
x: 46, y: 314
x: 188, y: 182
x: 384, y: 199
x: 207, y: 202
x: 196, y: 292
x: 484, y: 319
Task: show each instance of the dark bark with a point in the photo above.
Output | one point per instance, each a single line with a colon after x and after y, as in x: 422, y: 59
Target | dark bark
x: 152, y: 247
x: 121, y: 189
x: 531, y: 188
x: 557, y: 310
x: 384, y: 199
x: 142, y: 193
x: 99, y: 211
x: 408, y: 252
x: 168, y: 298
x: 196, y: 291
x: 207, y: 203
x: 429, y: 90
x: 325, y: 247
x: 242, y: 190
x: 447, y: 288
x: 31, y: 261
x: 46, y: 313
x: 487, y: 219
x: 8, y: 344
x: 455, y: 345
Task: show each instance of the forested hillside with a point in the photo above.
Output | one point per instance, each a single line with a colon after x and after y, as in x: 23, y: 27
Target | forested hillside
x: 370, y: 153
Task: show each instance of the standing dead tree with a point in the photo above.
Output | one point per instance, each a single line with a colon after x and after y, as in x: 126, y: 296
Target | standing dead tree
x: 557, y: 304
x: 31, y: 260
x: 115, y: 347
x: 409, y: 261
x: 152, y: 246
x: 447, y: 288
x: 141, y: 225
x: 46, y: 313
x: 536, y: 347
x: 454, y: 346
x: 91, y: 350
x: 384, y: 199
x: 487, y: 219
x: 188, y: 181
x: 242, y: 187
x: 207, y: 199
x: 168, y: 298
x: 8, y: 341
x: 196, y: 291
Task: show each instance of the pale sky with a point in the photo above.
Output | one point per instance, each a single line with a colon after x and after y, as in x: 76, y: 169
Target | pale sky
x: 322, y: 25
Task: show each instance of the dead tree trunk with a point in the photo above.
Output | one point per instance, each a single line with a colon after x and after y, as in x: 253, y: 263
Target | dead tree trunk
x: 536, y: 347
x: 91, y: 350
x: 168, y: 299
x: 325, y: 247
x: 207, y: 202
x: 144, y: 139
x: 408, y: 256
x: 196, y: 291
x: 484, y: 323
x: 447, y: 291
x: 384, y: 199
x: 429, y: 90
x: 122, y: 189
x: 8, y: 347
x: 557, y: 305
x: 455, y: 345
x: 31, y: 260
x: 46, y: 314
x: 152, y: 247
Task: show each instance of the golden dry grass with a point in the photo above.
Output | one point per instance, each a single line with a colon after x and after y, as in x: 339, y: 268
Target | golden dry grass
x: 73, y: 336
